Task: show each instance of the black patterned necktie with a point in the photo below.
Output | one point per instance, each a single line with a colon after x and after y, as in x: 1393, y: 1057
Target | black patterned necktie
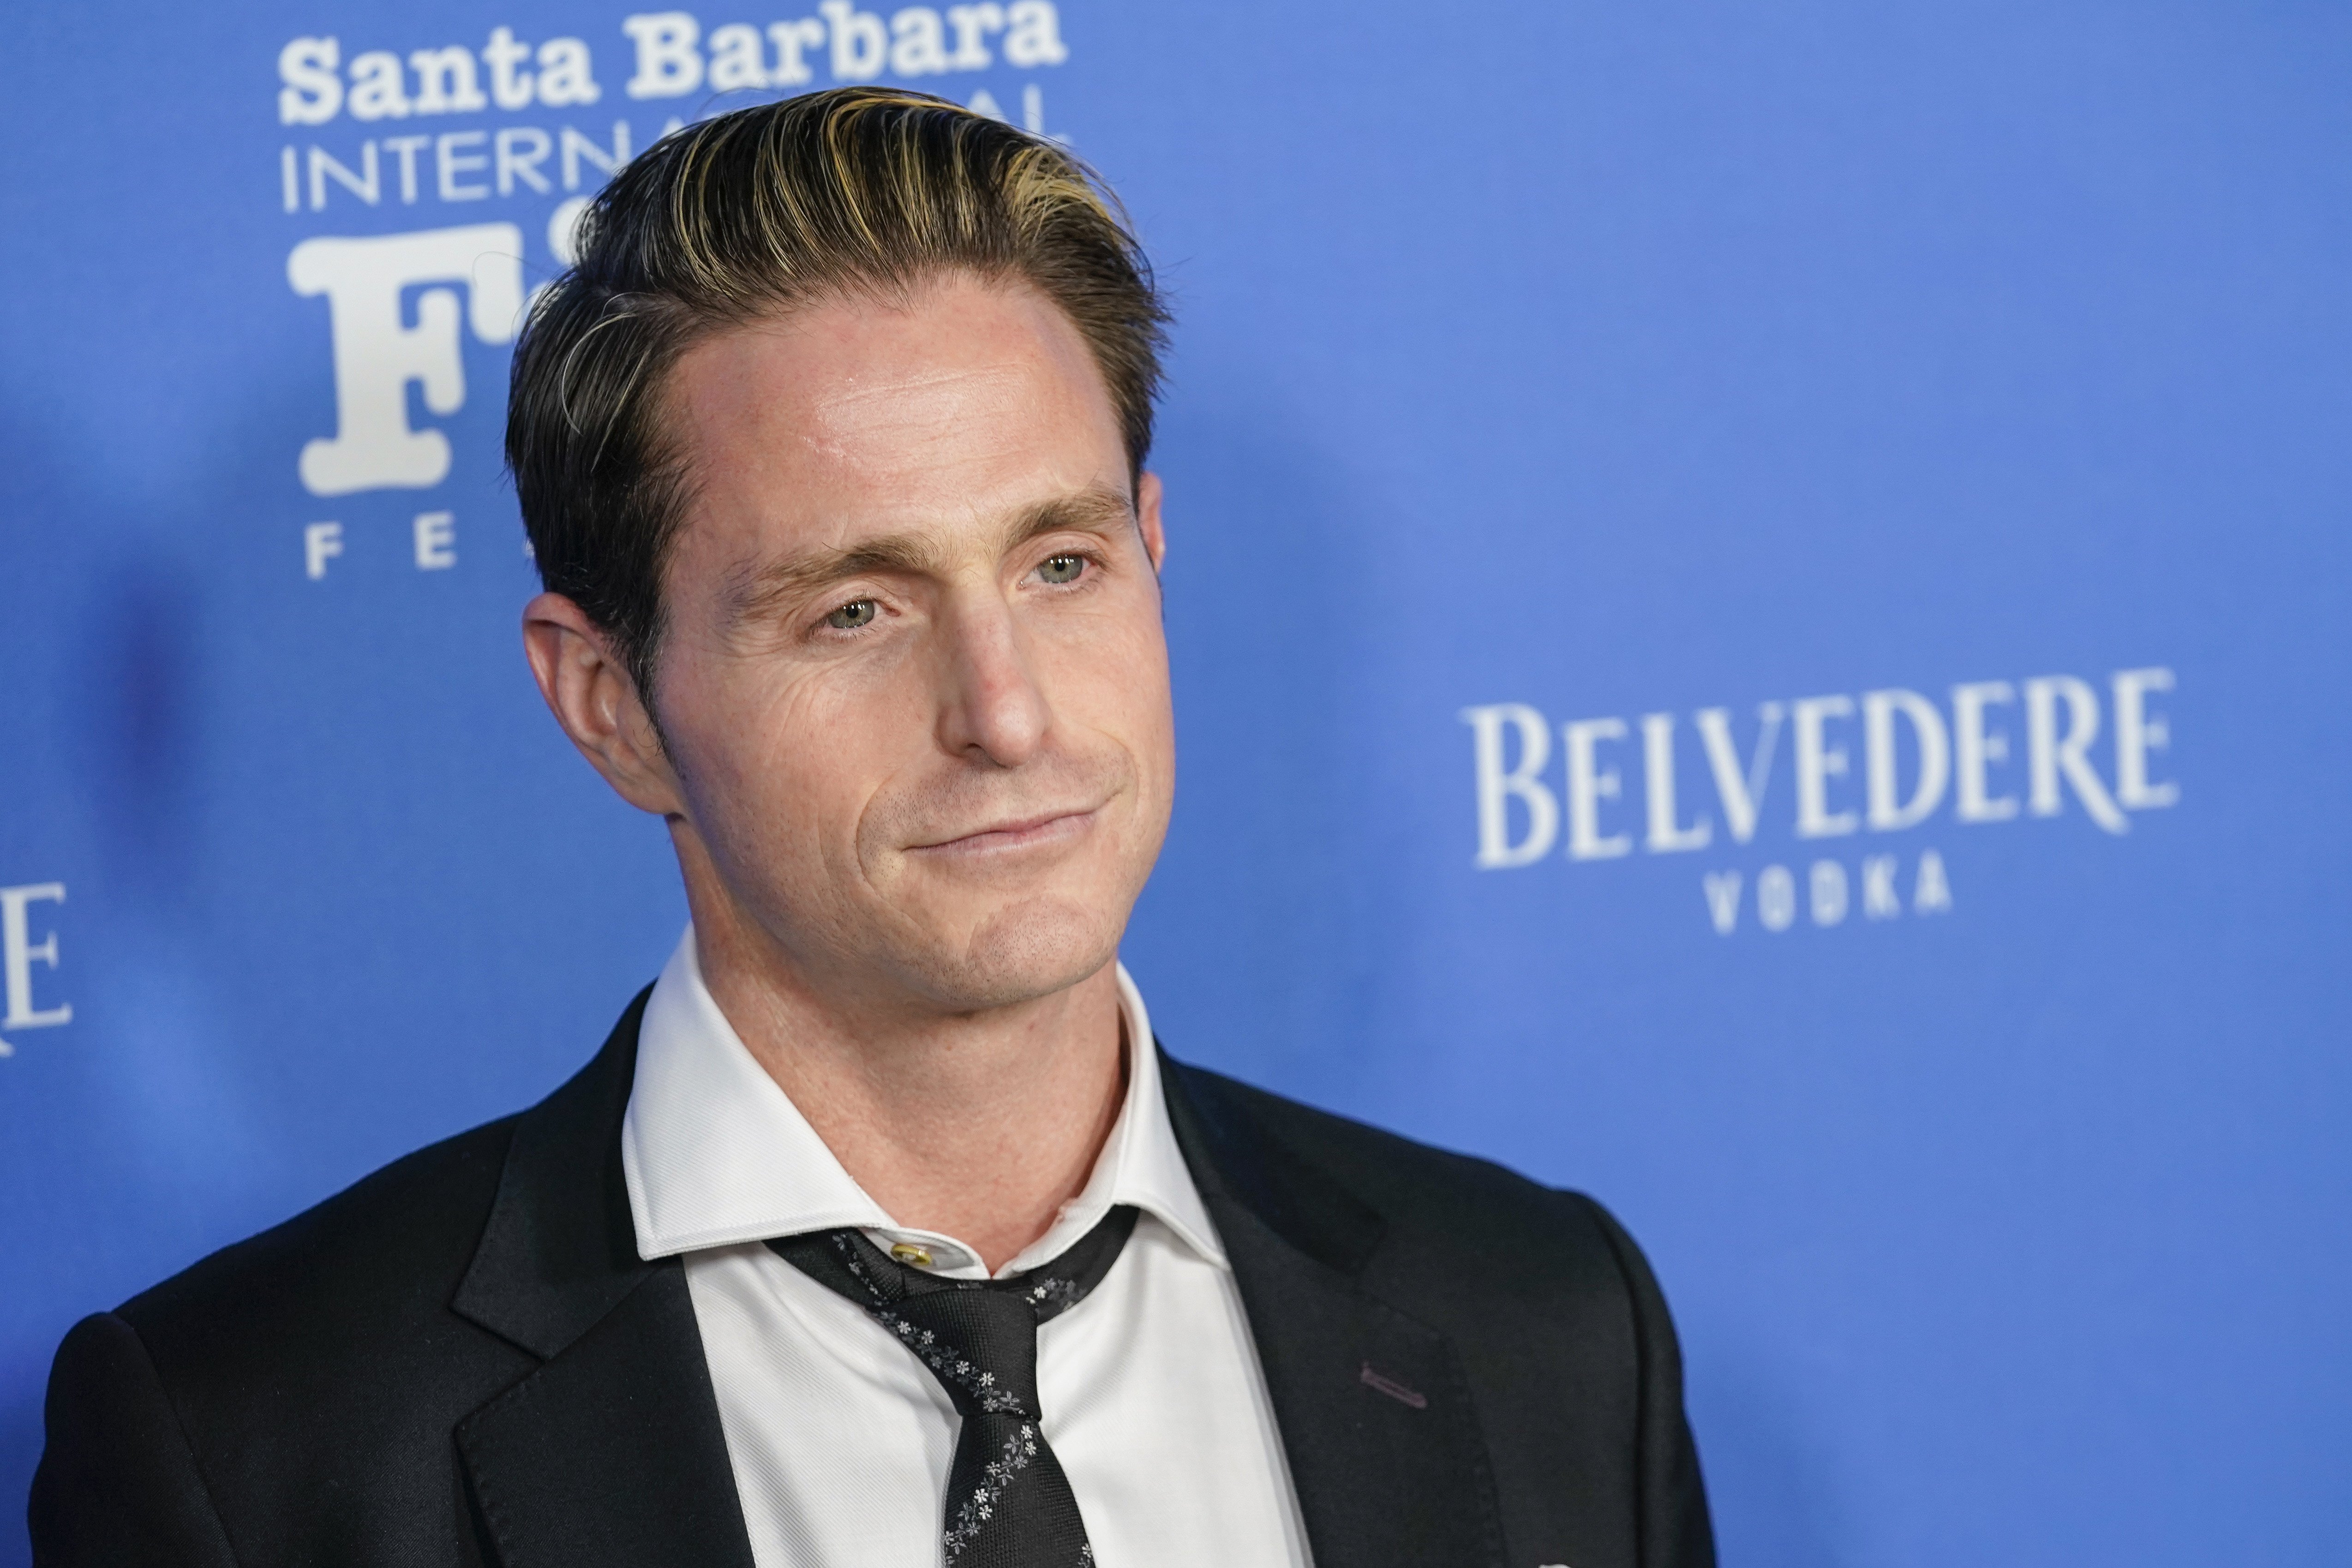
x: 1008, y: 1504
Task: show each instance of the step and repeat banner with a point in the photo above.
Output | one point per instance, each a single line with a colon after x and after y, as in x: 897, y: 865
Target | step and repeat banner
x: 1759, y: 600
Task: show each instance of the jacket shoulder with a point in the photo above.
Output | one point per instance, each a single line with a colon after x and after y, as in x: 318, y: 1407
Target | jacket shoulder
x: 341, y: 1303
x: 1457, y: 1242
x: 1562, y: 1332
x: 296, y: 1390
x: 1417, y: 1189
x: 400, y: 1229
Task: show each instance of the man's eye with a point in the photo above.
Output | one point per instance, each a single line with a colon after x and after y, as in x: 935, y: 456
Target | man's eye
x: 852, y: 616
x: 1062, y: 568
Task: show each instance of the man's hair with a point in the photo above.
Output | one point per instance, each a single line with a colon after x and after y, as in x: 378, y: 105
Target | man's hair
x: 853, y: 191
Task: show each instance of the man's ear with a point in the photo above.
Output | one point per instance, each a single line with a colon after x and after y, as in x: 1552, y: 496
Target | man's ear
x: 1147, y: 518
x: 590, y: 691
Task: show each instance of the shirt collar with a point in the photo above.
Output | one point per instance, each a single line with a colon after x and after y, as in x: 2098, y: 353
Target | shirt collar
x: 716, y: 1154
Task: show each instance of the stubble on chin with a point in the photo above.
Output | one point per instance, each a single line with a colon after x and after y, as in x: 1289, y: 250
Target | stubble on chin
x: 1020, y: 952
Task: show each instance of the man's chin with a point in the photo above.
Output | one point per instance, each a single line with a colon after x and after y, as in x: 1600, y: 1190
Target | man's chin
x: 1020, y: 955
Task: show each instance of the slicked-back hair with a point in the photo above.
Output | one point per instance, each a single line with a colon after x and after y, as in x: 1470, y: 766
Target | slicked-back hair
x: 853, y: 191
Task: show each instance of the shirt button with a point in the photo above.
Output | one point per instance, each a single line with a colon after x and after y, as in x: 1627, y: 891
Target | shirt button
x: 908, y: 1252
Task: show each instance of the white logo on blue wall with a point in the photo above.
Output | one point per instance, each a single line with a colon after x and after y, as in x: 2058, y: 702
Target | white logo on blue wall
x: 674, y: 59
x: 18, y: 955
x: 377, y: 353
x: 918, y: 41
x: 1966, y: 757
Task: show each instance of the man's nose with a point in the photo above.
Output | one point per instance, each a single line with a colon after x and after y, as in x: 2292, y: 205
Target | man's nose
x: 991, y: 706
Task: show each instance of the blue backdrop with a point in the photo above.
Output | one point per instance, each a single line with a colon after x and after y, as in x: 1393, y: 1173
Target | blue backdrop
x: 1758, y: 596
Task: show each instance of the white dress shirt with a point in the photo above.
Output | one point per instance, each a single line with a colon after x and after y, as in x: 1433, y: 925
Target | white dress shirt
x: 840, y: 1440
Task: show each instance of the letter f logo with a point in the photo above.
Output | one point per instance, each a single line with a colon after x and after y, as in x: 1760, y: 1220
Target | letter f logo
x: 377, y: 354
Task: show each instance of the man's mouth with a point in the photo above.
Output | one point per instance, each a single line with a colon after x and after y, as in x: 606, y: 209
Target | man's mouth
x: 1017, y: 832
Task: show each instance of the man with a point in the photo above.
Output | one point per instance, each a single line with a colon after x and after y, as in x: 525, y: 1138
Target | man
x: 879, y: 1232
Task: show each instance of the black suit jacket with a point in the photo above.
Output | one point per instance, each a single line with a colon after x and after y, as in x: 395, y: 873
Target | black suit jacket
x: 463, y: 1361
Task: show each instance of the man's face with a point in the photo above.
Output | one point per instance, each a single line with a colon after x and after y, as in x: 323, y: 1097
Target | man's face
x: 913, y: 685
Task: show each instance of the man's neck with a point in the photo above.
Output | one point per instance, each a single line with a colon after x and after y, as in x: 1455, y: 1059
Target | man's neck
x: 979, y: 1125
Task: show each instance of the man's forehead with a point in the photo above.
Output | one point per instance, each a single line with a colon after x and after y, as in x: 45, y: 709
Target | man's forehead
x: 891, y: 408
x: 858, y: 373
x: 960, y: 396
x: 879, y: 415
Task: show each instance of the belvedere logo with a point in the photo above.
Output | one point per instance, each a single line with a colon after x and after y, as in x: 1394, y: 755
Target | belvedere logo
x: 1911, y: 756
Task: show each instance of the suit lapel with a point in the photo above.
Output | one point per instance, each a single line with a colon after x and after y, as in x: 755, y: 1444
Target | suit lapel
x: 611, y: 1453
x: 1377, y: 1423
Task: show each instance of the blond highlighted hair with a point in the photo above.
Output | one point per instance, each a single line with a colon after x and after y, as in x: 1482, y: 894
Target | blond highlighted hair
x: 762, y: 212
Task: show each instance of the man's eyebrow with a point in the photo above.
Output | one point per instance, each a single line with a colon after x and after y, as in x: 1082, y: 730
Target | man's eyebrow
x: 755, y: 593
x: 1095, y: 509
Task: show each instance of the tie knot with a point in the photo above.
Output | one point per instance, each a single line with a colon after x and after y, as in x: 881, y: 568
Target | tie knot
x: 978, y: 1337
